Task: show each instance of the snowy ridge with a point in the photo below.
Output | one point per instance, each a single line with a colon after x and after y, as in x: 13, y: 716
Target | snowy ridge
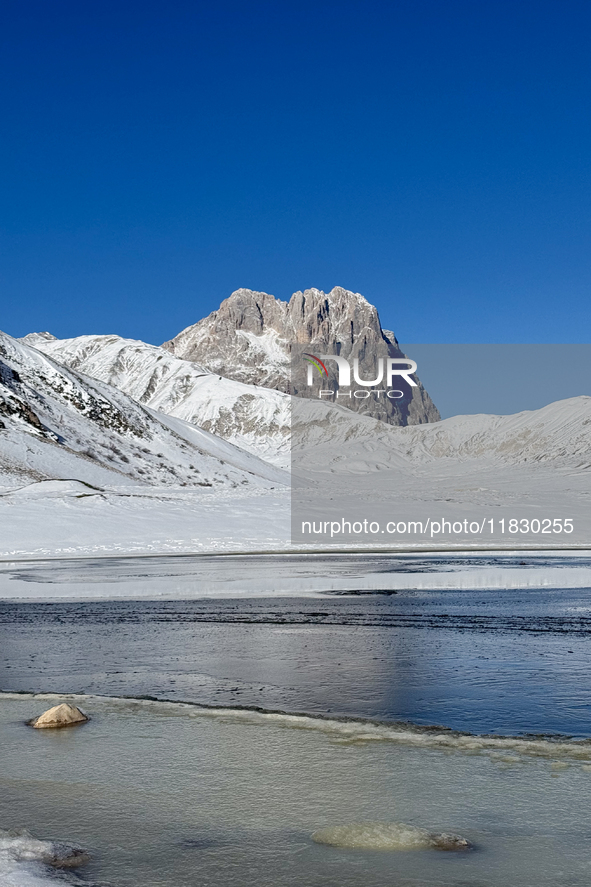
x: 559, y: 432
x: 558, y: 435
x: 253, y: 418
x: 56, y: 423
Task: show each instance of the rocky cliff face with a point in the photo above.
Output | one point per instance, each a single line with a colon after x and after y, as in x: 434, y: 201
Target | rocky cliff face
x: 254, y: 338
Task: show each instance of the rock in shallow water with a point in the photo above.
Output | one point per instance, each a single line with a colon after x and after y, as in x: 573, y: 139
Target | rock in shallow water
x: 63, y: 715
x: 21, y: 846
x: 388, y: 836
x: 64, y: 856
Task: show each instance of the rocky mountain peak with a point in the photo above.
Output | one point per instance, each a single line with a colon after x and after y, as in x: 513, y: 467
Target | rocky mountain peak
x: 250, y: 339
x: 35, y: 339
x: 339, y: 316
x: 245, y: 310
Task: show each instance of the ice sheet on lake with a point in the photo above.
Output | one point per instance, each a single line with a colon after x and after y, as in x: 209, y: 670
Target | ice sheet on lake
x: 256, y: 575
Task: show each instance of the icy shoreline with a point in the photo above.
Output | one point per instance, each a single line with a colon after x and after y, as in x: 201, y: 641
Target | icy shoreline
x: 352, y: 729
x: 313, y: 773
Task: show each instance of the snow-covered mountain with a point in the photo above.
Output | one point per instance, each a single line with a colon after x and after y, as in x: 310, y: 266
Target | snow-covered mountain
x: 230, y: 373
x: 557, y: 436
x: 253, y: 418
x: 168, y: 485
x: 58, y: 423
x: 258, y: 419
x: 251, y: 336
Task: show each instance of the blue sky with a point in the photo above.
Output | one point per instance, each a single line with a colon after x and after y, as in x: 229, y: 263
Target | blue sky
x: 432, y: 155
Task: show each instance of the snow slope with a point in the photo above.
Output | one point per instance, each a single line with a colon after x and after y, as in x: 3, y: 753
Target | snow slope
x: 482, y: 471
x: 56, y: 423
x: 558, y: 435
x: 253, y: 418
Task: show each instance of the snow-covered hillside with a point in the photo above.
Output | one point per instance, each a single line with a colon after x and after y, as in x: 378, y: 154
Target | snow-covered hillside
x: 481, y: 470
x: 558, y: 436
x: 253, y: 418
x: 58, y: 423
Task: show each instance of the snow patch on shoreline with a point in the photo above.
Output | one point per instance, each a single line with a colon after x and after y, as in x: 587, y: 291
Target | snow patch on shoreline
x: 25, y: 860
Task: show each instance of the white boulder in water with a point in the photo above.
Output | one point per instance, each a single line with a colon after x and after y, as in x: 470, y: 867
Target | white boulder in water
x: 64, y: 715
x: 387, y: 836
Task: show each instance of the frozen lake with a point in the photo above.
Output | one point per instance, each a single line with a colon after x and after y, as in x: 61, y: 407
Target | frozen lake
x: 166, y: 794
x: 186, y: 576
x: 275, y: 714
x: 500, y: 661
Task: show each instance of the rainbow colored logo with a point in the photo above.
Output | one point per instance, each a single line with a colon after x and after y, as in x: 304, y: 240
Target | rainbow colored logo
x: 315, y: 361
